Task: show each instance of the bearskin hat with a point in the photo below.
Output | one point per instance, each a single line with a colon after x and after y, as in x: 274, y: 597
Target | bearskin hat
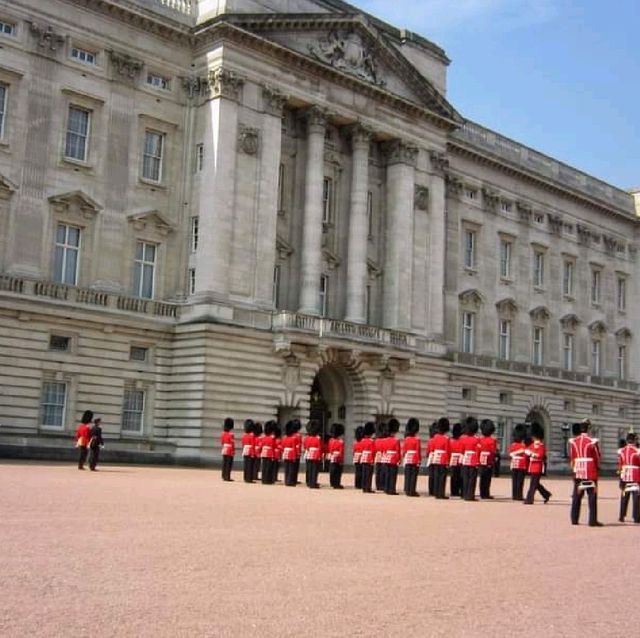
x: 412, y: 427
x: 487, y: 427
x: 443, y: 425
x: 228, y: 424
x: 359, y: 433
x: 471, y: 425
x: 369, y: 428
x: 393, y: 426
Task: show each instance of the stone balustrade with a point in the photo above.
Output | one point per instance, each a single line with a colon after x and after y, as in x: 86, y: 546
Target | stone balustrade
x: 181, y: 10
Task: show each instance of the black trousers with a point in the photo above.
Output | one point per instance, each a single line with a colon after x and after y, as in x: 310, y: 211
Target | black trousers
x: 247, y: 468
x: 391, y: 478
x: 469, y: 480
x: 296, y: 471
x: 536, y: 486
x: 335, y: 475
x: 276, y: 470
x: 256, y: 467
x: 486, y: 473
x: 94, y: 456
x: 456, y: 480
x: 439, y: 480
x: 367, y: 476
x: 411, y: 479
x: 82, y: 457
x: 431, y: 482
x: 312, y: 469
x: 357, y: 476
x: 517, y: 484
x: 379, y: 471
x: 227, y: 466
x: 268, y: 471
x: 576, y: 502
x: 290, y: 473
x: 624, y: 503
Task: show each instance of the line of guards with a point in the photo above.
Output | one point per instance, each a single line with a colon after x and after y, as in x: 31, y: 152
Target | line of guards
x: 466, y: 456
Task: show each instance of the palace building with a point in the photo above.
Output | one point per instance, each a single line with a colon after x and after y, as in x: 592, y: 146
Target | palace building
x: 269, y: 209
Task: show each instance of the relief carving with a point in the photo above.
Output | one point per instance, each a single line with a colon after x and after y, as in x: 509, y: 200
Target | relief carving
x: 399, y: 152
x: 249, y: 140
x: 126, y: 68
x: 46, y: 38
x: 194, y: 85
x: 273, y: 101
x: 421, y: 198
x: 439, y: 162
x: 225, y: 83
x: 491, y: 198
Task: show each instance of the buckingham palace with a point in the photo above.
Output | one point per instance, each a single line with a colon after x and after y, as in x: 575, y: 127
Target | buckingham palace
x: 269, y: 209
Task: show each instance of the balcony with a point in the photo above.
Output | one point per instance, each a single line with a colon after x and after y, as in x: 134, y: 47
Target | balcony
x: 180, y: 10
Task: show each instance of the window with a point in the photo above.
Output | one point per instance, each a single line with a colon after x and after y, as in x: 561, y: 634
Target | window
x: 77, y: 134
x: 281, y: 170
x: 82, y: 55
x: 471, y: 193
x: 567, y: 279
x: 370, y: 214
x: 158, y: 81
x: 567, y: 351
x: 469, y: 394
x: 505, y: 398
x: 468, y: 329
x: 538, y: 268
x: 622, y: 412
x: 595, y: 286
x: 505, y: 259
x: 193, y: 242
x: 199, y: 157
x: 59, y: 343
x: 144, y: 270
x: 469, y: 249
x: 54, y: 398
x: 595, y: 357
x: 3, y: 107
x: 327, y: 187
x: 66, y: 252
x: 538, y: 345
x: 538, y: 218
x: 137, y: 353
x: 504, y: 349
x: 192, y: 281
x: 7, y: 28
x: 569, y: 405
x: 133, y: 411
x: 152, y: 156
x: 276, y: 286
x: 622, y: 294
x: 622, y: 362
x: 505, y: 207
x: 324, y: 293
x: 596, y: 408
x: 367, y: 303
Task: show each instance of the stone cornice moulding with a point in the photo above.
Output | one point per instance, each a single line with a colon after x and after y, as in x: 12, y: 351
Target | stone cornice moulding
x: 225, y: 83
x: 273, y: 100
x: 400, y: 152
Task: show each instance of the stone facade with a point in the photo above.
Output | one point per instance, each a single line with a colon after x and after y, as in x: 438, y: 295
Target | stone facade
x: 270, y: 209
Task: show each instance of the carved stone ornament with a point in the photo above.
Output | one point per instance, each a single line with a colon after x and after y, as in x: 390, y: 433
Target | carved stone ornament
x: 598, y: 328
x: 439, y: 162
x: 125, y: 67
x: 624, y: 335
x: 584, y: 234
x: 491, y: 198
x: 524, y: 212
x: 570, y: 321
x: 46, y: 38
x: 7, y: 187
x: 273, y: 101
x: 194, y: 85
x: 346, y: 51
x: 540, y: 313
x: 386, y: 384
x: 507, y: 307
x: 360, y: 134
x: 555, y: 223
x: 471, y: 298
x: 249, y: 140
x: 421, y: 198
x: 610, y: 244
x: 633, y: 252
x: 455, y: 185
x: 317, y: 118
x: 291, y: 373
x: 225, y: 83
x: 399, y: 152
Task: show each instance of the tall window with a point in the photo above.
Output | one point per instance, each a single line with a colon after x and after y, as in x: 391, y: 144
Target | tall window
x: 133, y: 411
x: 199, y: 164
x: 281, y: 170
x: 369, y: 214
x: 468, y: 331
x: 324, y: 294
x: 276, y: 286
x: 195, y: 227
x: 367, y: 303
x: 67, y: 248
x: 54, y: 397
x: 505, y: 259
x: 144, y: 270
x: 595, y: 357
x: 327, y: 187
x: 622, y: 362
x: 538, y: 346
x: 152, y: 156
x: 504, y: 349
x: 77, y: 134
x: 469, y: 249
x: 3, y: 108
x: 567, y: 279
x: 622, y: 294
x: 567, y: 351
x: 192, y: 281
x: 595, y: 286
x: 538, y: 268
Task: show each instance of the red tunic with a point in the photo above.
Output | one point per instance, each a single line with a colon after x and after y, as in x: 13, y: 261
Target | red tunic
x: 289, y: 448
x: 312, y: 448
x: 488, y: 449
x: 268, y: 448
x: 455, y: 452
x: 298, y: 441
x: 584, y: 456
x: 411, y: 450
x: 439, y: 449
x: 257, y: 448
x: 83, y: 434
x: 536, y: 453
x: 357, y: 451
x: 379, y: 447
x: 228, y: 443
x: 470, y: 450
x: 336, y: 451
x: 248, y: 442
x: 629, y: 463
x: 367, y: 448
x: 392, y: 449
x: 518, y: 456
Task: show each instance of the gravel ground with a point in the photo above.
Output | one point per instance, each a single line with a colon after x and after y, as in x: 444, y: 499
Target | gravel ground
x: 139, y: 551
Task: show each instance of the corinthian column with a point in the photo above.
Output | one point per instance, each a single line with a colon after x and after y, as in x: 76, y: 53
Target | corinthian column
x: 312, y: 230
x: 401, y: 162
x: 357, y: 250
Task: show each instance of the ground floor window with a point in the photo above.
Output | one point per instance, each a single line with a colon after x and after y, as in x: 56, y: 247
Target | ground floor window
x: 54, y: 399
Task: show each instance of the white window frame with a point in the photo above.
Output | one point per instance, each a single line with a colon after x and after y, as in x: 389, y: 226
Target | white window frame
x: 538, y: 268
x: 568, y: 346
x: 192, y: 281
x: 158, y: 82
x: 369, y: 214
x: 621, y: 359
x: 81, y: 137
x: 133, y: 407
x: 324, y: 295
x: 469, y: 248
x: 505, y: 258
x: 83, y: 56
x: 505, y: 206
x: 275, y: 294
x: 471, y: 193
x: 47, y: 405
x: 596, y: 285
x: 567, y: 278
x: 66, y: 249
x: 8, y: 29
x: 142, y: 265
x: 153, y: 162
x: 468, y: 328
x: 622, y: 294
x: 327, y: 199
x: 504, y: 339
x: 596, y: 357
x: 537, y: 346
x: 4, y: 94
x: 195, y: 233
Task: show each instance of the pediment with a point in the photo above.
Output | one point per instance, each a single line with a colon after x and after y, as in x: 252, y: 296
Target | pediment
x: 151, y: 219
x: 540, y: 313
x: 507, y: 306
x: 570, y: 321
x: 624, y: 334
x: 471, y: 297
x: 77, y: 200
x: 7, y: 187
x: 352, y: 46
x: 598, y: 327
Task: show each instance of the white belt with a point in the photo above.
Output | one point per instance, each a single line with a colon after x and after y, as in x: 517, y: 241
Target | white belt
x: 247, y: 450
x: 437, y: 457
x: 484, y: 458
x: 226, y: 448
x: 410, y: 457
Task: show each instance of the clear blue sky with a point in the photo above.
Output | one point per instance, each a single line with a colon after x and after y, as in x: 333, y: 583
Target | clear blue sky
x: 562, y: 76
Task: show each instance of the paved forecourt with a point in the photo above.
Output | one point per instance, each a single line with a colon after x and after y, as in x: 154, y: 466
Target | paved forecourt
x: 141, y: 551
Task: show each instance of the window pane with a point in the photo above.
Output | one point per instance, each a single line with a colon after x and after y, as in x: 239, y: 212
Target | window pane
x: 71, y: 267
x: 137, y: 272
x: 149, y: 253
x: 3, y: 101
x: 53, y: 404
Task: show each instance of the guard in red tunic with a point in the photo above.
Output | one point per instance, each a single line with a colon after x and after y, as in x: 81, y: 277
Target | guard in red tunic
x: 431, y: 470
x: 470, y: 444
x: 357, y: 454
x: 298, y: 438
x: 455, y: 460
x: 228, y: 444
x: 336, y: 456
x: 312, y: 444
x: 259, y: 438
x: 392, y: 457
x: 439, y: 452
x: 289, y: 453
x: 277, y: 460
x: 629, y: 469
x: 379, y: 465
x: 488, y: 452
x: 519, y: 462
x: 268, y: 453
x: 367, y: 453
x: 248, y: 442
x: 411, y: 457
x: 537, y: 454
x: 83, y: 434
x: 584, y: 456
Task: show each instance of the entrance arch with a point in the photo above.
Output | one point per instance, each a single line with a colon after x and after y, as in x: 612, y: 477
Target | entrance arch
x: 541, y: 417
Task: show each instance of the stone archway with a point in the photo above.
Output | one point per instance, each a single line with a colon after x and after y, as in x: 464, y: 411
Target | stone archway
x: 539, y: 415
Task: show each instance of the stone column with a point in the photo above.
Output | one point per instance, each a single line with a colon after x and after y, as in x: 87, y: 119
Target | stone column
x: 357, y: 250
x: 217, y: 191
x: 311, y: 265
x: 401, y: 163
